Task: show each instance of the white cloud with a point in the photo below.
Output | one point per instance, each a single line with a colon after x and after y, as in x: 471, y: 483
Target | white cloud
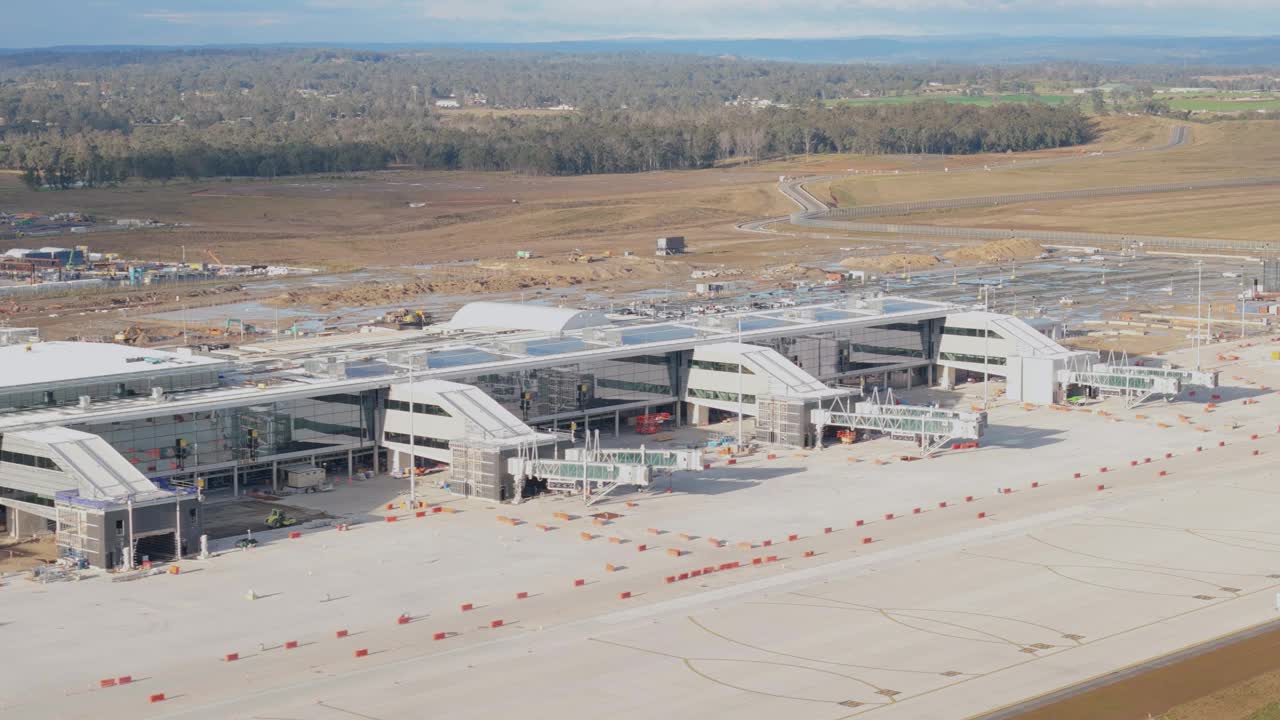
x: 215, y: 18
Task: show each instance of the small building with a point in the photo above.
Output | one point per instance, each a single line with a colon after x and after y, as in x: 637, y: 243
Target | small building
x: 448, y: 103
x: 673, y: 245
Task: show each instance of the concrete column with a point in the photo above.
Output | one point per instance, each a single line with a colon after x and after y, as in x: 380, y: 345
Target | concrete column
x: 699, y: 415
x: 910, y: 376
x: 617, y: 424
x: 235, y: 479
x: 351, y: 470
x: 275, y: 476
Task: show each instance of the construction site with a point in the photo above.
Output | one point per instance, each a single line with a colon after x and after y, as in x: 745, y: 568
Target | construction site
x: 661, y: 495
x: 846, y: 472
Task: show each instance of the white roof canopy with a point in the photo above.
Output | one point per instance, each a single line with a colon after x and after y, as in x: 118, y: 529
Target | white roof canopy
x: 519, y: 316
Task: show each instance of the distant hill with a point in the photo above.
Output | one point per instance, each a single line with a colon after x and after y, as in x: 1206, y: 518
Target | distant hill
x: 978, y: 50
x: 1235, y: 51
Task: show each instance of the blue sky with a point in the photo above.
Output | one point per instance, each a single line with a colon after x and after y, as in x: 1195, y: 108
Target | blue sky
x: 36, y: 23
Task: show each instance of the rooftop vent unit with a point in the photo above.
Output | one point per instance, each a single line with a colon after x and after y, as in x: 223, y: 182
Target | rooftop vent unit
x: 85, y: 401
x: 157, y: 394
x: 326, y: 367
x: 806, y: 314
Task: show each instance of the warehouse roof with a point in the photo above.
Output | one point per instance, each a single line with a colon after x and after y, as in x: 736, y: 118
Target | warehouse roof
x: 519, y: 316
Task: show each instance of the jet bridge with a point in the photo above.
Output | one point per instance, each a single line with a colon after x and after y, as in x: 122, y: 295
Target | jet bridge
x: 931, y: 427
x: 1127, y: 381
x: 1200, y: 378
x: 594, y: 471
x: 668, y: 460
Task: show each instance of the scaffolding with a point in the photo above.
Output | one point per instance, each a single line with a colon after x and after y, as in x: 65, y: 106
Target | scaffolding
x: 781, y: 420
x: 474, y: 469
x: 78, y: 531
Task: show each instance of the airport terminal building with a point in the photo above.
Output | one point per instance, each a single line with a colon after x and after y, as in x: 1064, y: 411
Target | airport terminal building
x: 111, y: 446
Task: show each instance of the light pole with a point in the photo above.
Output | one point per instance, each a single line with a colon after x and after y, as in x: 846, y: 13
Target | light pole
x: 740, y: 437
x: 413, y: 440
x: 986, y: 359
x: 1199, y: 279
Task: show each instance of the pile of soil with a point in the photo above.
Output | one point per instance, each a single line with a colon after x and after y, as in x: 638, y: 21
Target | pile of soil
x: 995, y: 251
x: 897, y: 262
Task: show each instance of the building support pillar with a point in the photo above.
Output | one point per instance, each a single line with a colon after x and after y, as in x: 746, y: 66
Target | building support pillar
x: 351, y: 467
x: 617, y: 424
x: 235, y: 479
x: 275, y: 476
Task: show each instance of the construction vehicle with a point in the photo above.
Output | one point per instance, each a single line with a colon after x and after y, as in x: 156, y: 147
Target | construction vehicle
x: 648, y: 424
x: 132, y: 335
x: 278, y: 519
x: 405, y: 318
x: 577, y: 256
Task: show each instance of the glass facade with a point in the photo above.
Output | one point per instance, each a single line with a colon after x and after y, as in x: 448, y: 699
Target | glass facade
x: 975, y: 359
x: 747, y: 398
x: 565, y: 389
x: 971, y: 332
x: 846, y: 351
x: 172, y: 443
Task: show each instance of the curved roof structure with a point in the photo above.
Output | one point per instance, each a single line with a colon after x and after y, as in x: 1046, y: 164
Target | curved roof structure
x: 518, y: 316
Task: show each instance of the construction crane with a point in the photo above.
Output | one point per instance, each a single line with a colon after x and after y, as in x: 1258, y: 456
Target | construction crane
x: 214, y: 257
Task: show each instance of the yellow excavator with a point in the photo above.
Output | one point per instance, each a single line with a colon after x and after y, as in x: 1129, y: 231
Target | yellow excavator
x: 405, y: 318
x: 131, y: 335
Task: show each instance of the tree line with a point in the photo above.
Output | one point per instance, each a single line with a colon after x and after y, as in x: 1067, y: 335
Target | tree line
x: 573, y: 144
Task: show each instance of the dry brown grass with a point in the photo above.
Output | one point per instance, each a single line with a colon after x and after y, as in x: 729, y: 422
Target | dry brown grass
x: 366, y: 219
x: 1245, y: 214
x: 1225, y: 150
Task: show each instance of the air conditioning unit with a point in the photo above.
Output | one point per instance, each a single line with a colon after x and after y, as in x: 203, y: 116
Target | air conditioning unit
x: 157, y: 394
x: 85, y: 402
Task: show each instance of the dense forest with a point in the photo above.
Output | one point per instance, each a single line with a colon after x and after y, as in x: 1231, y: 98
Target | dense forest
x: 70, y: 118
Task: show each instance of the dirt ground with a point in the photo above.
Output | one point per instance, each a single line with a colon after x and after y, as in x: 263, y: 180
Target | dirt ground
x: 1244, y: 214
x: 1230, y: 683
x: 368, y: 220
x: 18, y: 555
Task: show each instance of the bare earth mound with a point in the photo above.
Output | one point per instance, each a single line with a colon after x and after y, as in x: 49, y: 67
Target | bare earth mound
x: 890, y: 263
x: 994, y: 252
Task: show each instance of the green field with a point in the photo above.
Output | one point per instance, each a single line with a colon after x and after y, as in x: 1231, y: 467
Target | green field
x: 983, y: 100
x: 1222, y: 103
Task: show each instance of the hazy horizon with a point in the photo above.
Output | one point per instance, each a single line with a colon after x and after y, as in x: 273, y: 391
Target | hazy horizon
x: 205, y: 22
